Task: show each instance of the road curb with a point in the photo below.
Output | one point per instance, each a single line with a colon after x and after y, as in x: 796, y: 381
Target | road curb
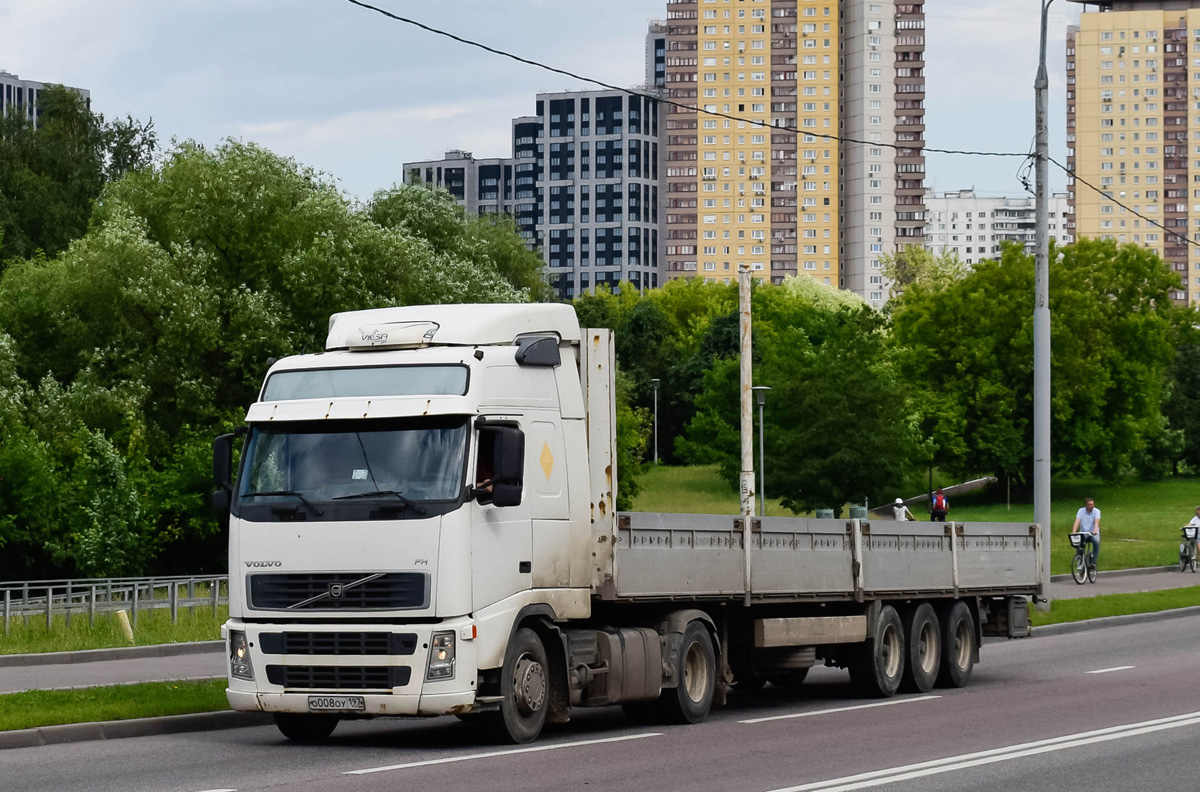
x: 1067, y: 628
x: 1118, y: 573
x: 136, y: 727
x: 120, y: 653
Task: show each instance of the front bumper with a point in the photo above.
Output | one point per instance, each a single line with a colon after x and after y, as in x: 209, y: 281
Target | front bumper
x: 274, y: 688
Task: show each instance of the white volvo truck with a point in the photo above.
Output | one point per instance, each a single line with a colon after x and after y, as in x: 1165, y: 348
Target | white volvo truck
x: 422, y: 523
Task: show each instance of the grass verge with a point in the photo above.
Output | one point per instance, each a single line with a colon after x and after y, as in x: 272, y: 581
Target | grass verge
x: 1070, y: 610
x: 153, y: 627
x: 35, y: 708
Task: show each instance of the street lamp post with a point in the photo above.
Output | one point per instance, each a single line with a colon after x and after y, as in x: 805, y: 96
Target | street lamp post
x: 654, y: 383
x: 1041, y: 318
x: 760, y: 395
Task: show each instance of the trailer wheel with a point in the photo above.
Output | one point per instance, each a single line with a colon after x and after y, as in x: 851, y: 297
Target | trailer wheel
x: 696, y: 670
x: 924, y: 637
x: 524, y: 688
x: 958, y: 646
x: 305, y: 728
x: 878, y: 665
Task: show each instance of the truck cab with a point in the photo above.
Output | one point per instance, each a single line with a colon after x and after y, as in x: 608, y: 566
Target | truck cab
x: 401, y: 499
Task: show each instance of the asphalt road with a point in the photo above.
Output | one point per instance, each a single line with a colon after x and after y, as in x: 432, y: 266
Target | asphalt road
x: 113, y: 672
x: 1036, y: 716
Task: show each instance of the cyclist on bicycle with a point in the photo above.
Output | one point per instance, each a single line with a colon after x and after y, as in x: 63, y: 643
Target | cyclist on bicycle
x: 1195, y: 521
x: 1087, y: 521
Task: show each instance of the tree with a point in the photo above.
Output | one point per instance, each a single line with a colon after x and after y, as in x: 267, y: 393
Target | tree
x: 1181, y: 407
x: 838, y: 427
x: 51, y: 176
x: 122, y: 357
x: 968, y: 344
x: 916, y: 265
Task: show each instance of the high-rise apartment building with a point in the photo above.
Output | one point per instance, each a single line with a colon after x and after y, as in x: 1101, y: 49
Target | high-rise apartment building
x: 480, y: 186
x: 755, y: 175
x: 597, y: 183
x: 582, y: 185
x: 975, y: 227
x: 15, y: 92
x: 1133, y: 116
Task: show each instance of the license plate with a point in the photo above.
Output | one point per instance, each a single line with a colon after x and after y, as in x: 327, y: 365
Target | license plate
x: 336, y: 703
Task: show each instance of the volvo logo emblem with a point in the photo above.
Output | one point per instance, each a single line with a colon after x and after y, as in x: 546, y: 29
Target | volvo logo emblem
x: 335, y: 591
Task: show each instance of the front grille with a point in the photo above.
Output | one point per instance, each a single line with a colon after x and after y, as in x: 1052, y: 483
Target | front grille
x: 338, y: 643
x: 338, y: 677
x: 339, y: 591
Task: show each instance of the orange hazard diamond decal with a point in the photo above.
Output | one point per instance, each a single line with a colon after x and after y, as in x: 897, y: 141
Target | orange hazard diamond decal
x: 547, y: 460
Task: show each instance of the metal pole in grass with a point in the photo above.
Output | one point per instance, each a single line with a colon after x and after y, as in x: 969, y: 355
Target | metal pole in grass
x: 7, y: 608
x: 92, y: 608
x: 49, y: 606
x: 135, y: 603
x: 191, y: 596
x: 67, y: 604
x: 174, y: 598
x: 215, y: 587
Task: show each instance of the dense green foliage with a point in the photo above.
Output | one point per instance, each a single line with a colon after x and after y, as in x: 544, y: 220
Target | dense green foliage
x: 969, y: 344
x: 122, y: 357
x: 50, y: 176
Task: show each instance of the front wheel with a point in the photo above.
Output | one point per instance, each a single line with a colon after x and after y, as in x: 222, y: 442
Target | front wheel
x: 1183, y: 558
x: 305, y: 728
x: 1079, y: 569
x: 524, y: 690
x: 1193, y: 562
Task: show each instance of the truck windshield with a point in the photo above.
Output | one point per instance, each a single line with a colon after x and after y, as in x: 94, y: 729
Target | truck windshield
x: 342, y: 470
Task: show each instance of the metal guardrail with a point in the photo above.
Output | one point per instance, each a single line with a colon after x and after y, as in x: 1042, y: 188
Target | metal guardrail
x: 24, y: 599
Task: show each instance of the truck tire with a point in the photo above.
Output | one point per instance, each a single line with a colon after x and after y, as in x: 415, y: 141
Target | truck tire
x: 878, y: 664
x: 923, y: 634
x: 696, y: 670
x: 958, y: 646
x: 524, y: 690
x: 305, y: 728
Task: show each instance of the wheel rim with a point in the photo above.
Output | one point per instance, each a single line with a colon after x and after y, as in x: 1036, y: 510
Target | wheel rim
x: 695, y: 672
x: 928, y: 648
x: 529, y: 685
x: 889, y: 649
x: 962, y: 643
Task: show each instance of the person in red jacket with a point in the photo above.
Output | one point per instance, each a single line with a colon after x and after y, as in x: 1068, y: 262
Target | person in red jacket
x: 939, y: 506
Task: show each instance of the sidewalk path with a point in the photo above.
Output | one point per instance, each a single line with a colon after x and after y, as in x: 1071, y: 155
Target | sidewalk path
x: 1123, y: 582
x: 113, y: 672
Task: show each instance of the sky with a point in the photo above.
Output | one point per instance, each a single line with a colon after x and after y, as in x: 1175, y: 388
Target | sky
x: 355, y: 95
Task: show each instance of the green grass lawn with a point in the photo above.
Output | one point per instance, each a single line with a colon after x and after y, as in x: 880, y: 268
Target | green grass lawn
x: 153, y: 627
x: 35, y: 708
x: 1116, y: 605
x: 1140, y: 522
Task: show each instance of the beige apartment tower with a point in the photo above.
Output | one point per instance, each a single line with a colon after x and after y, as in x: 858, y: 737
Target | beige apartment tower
x: 755, y: 174
x: 1133, y: 129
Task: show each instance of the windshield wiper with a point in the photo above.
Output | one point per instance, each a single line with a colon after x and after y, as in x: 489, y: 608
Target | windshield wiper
x: 291, y: 493
x: 402, y: 502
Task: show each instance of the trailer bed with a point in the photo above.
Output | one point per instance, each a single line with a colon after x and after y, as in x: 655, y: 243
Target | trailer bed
x: 685, y: 556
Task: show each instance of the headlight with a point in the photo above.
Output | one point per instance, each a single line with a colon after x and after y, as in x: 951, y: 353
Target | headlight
x: 441, y: 656
x: 239, y: 655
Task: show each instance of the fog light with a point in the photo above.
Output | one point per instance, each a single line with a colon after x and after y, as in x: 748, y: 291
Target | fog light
x: 441, y: 656
x: 239, y: 655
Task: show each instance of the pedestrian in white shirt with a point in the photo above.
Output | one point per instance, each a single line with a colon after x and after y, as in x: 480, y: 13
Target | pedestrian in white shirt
x: 901, y: 511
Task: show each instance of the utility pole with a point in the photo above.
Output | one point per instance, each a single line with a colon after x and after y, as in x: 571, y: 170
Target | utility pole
x: 1041, y: 319
x: 654, y: 383
x: 747, y: 422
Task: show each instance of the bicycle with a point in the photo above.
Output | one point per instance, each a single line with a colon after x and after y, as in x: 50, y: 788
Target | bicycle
x: 1187, y: 550
x: 1083, y: 566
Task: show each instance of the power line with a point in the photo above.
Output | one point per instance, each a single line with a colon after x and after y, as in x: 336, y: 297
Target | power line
x: 1108, y: 196
x: 662, y: 100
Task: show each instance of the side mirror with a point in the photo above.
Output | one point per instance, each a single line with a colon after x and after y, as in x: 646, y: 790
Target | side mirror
x: 507, y: 444
x: 222, y: 499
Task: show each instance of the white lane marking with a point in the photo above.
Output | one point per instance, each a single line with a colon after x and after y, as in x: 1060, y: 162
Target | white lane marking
x: 810, y: 713
x: 1114, y: 668
x: 218, y: 790
x: 510, y: 752
x: 908, y: 772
